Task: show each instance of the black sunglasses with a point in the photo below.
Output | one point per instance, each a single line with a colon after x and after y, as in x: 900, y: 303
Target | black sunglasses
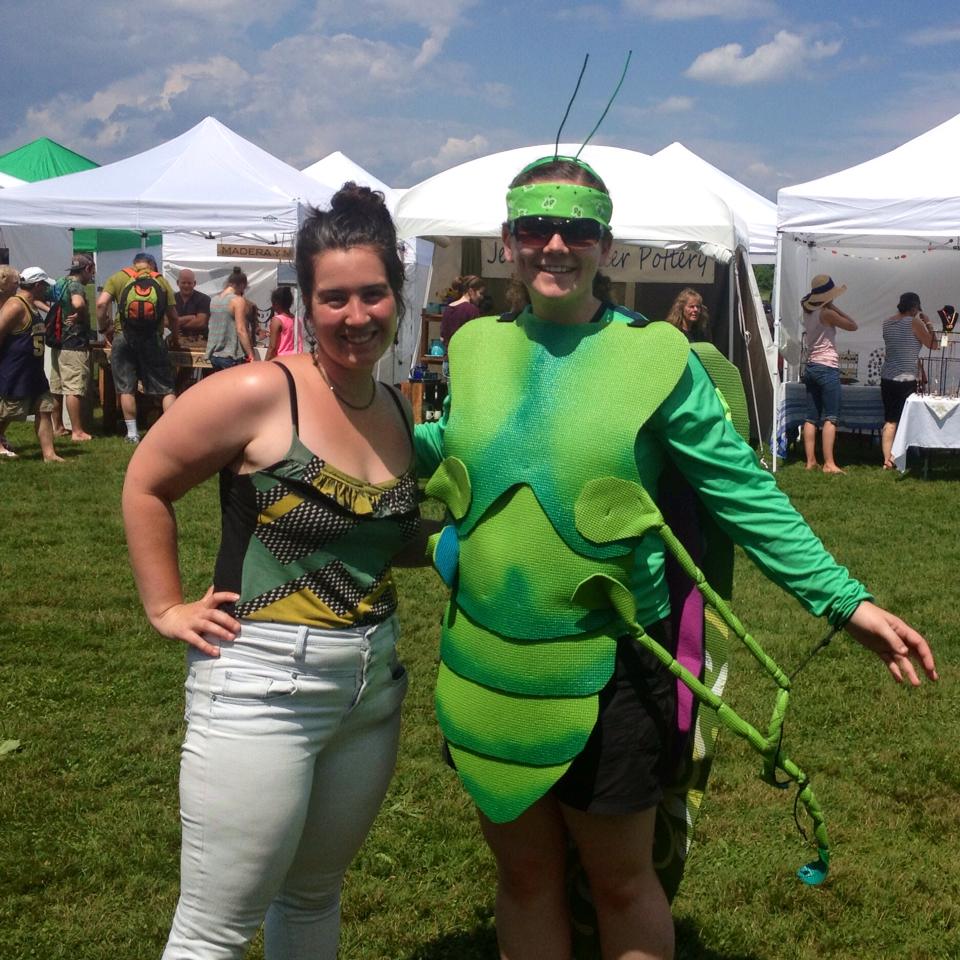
x: 539, y: 231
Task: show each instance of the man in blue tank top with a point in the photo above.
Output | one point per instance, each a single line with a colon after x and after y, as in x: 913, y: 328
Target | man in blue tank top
x: 24, y: 389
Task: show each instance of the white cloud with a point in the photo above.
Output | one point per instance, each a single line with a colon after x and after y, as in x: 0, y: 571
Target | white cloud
x: 777, y: 60
x: 697, y: 9
x: 129, y: 111
x: 934, y: 36
x: 675, y: 105
x: 439, y: 18
x: 455, y: 150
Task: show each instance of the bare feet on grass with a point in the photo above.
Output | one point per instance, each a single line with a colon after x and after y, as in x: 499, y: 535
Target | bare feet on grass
x: 79, y: 436
x: 832, y: 468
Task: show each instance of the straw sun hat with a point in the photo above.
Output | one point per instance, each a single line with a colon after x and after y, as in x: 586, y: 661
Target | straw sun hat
x: 822, y: 290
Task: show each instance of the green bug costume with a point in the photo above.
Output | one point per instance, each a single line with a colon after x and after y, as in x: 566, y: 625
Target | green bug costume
x: 550, y: 440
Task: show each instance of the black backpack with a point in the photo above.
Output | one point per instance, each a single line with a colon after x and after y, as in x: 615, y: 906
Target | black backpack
x: 53, y: 335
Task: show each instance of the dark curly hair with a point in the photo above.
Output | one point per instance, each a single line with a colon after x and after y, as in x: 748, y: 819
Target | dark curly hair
x: 358, y: 217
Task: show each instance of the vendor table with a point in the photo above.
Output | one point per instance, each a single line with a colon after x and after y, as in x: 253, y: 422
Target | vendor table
x: 423, y: 392
x: 189, y: 357
x: 861, y: 407
x: 927, y: 422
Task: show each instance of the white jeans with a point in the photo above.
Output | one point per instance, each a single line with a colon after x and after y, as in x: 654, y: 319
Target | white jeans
x: 291, y: 742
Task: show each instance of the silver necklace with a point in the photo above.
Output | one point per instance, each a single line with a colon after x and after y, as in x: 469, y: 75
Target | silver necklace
x: 340, y: 396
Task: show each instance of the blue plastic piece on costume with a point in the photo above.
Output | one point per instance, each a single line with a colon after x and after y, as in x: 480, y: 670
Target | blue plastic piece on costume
x: 446, y: 554
x: 813, y: 873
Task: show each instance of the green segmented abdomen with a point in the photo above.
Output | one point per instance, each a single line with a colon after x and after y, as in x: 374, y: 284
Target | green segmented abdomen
x: 517, y: 689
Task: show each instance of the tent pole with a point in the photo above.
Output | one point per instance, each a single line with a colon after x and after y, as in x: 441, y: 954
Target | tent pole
x: 745, y: 336
x: 778, y: 385
x: 731, y: 303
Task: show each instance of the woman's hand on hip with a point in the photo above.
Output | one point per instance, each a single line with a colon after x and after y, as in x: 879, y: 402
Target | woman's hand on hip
x: 893, y: 641
x: 192, y: 622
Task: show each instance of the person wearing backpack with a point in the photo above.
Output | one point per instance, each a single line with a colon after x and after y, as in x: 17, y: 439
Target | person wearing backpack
x: 68, y: 337
x: 143, y: 299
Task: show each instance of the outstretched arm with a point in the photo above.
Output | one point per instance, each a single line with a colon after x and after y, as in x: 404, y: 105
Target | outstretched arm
x: 893, y: 641
x: 754, y: 512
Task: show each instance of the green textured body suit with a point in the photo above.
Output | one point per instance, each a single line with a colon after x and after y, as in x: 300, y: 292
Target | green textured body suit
x: 550, y: 436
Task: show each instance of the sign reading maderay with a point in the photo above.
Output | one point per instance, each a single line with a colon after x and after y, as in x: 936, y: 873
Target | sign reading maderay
x: 630, y: 263
x: 254, y: 251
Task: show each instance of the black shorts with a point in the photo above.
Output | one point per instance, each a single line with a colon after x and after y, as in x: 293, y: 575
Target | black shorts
x: 627, y: 756
x: 622, y: 767
x: 894, y: 394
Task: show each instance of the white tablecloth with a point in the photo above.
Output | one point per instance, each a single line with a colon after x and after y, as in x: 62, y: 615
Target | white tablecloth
x: 932, y: 422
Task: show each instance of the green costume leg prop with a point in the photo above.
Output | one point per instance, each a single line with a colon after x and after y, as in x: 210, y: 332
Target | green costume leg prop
x: 613, y: 509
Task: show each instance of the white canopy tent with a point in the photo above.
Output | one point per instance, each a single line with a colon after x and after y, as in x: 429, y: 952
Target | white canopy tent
x: 207, y: 184
x: 649, y: 205
x: 670, y: 219
x: 337, y: 168
x: 882, y: 227
x: 757, y: 212
x: 207, y: 179
x: 47, y: 247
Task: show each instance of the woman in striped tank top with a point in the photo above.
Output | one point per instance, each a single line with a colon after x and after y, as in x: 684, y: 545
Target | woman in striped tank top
x: 293, y: 683
x: 903, y: 335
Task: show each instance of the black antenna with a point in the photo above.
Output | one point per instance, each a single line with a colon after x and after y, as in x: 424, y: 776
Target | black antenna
x: 583, y: 70
x: 609, y: 103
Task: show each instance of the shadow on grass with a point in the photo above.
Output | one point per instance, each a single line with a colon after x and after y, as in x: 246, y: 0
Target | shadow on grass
x: 863, y: 450
x: 480, y: 943
x: 690, y: 946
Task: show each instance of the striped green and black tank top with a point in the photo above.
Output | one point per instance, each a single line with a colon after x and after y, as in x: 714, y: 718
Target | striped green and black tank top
x: 304, y: 543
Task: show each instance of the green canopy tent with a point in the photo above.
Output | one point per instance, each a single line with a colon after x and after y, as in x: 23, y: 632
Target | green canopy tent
x: 44, y: 158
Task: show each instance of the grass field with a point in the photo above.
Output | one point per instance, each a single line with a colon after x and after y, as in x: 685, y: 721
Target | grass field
x: 89, y: 838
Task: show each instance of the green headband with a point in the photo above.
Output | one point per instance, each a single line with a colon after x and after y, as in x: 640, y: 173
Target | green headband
x: 559, y: 200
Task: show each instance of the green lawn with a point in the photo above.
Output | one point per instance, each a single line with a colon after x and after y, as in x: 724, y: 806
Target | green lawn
x: 89, y: 838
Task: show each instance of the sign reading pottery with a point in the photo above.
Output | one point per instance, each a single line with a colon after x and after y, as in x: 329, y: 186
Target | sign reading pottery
x: 627, y: 262
x: 254, y: 251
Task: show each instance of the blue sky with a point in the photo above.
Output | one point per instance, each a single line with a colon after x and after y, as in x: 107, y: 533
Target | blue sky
x: 772, y: 92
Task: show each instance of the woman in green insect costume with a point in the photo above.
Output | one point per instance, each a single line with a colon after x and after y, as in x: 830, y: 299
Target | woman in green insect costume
x: 562, y: 427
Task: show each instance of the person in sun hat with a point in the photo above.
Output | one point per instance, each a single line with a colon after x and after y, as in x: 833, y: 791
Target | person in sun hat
x: 821, y: 320
x: 558, y: 720
x: 24, y: 390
